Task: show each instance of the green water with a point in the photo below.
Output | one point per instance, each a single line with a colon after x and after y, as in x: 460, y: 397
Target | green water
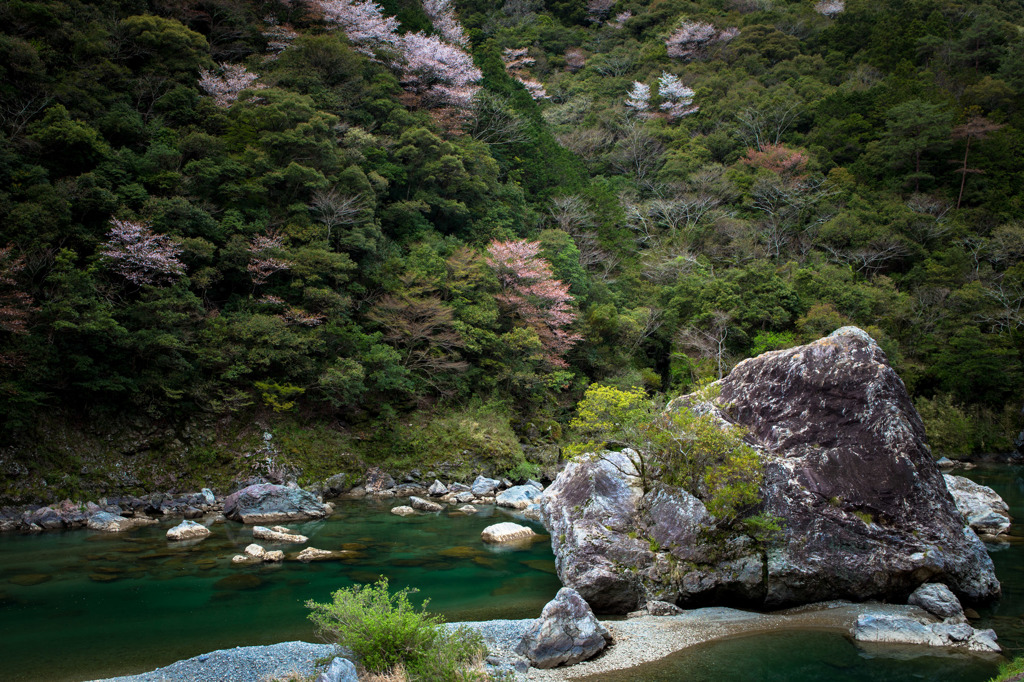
x: 813, y: 656
x: 81, y: 605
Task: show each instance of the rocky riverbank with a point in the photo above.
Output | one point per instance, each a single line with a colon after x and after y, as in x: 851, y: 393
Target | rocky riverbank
x: 635, y: 641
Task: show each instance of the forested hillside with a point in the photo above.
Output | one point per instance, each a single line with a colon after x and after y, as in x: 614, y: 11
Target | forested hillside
x: 441, y: 221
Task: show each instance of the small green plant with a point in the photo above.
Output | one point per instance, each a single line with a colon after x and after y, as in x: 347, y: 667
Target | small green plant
x: 385, y: 631
x: 1010, y: 671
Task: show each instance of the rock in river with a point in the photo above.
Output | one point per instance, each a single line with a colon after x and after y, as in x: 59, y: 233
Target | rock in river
x: 864, y: 509
x: 113, y: 523
x: 985, y: 511
x: 188, y: 530
x: 517, y: 497
x: 269, y: 503
x: 566, y: 633
x: 277, y: 534
x: 420, y: 504
x: 506, y: 532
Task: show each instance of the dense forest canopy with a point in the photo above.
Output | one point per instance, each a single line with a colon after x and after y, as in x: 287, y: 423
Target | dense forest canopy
x: 352, y: 212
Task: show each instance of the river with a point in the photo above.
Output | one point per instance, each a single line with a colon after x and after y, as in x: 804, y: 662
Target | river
x: 80, y: 605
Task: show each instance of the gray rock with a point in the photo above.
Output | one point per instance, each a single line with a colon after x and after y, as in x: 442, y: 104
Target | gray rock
x: 208, y: 496
x: 484, y: 486
x: 420, y: 504
x: 939, y: 600
x: 403, y: 510
x: 188, y: 530
x: 536, y: 484
x: 113, y: 523
x: 437, y: 489
x: 566, y: 633
x: 945, y: 463
x: 377, y: 481
x: 985, y: 511
x: 662, y: 608
x: 278, y: 534
x: 459, y: 488
x: 517, y: 497
x: 465, y: 497
x: 906, y: 630
x: 340, y: 670
x: 841, y: 442
x: 269, y: 503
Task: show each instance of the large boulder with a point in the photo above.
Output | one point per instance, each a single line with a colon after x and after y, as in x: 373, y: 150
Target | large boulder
x: 864, y: 509
x: 377, y: 481
x: 566, y: 633
x: 985, y: 511
x: 269, y: 503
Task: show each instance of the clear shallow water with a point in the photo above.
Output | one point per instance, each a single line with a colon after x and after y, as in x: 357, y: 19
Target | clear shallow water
x: 814, y: 656
x: 81, y: 605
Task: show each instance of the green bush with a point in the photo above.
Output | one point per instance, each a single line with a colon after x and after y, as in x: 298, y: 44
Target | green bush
x: 386, y: 632
x: 1010, y: 671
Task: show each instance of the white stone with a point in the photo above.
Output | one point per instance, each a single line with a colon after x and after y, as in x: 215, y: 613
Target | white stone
x: 506, y: 532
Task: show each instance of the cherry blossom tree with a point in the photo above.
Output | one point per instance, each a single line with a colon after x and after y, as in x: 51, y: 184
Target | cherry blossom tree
x: 279, y: 38
x: 830, y: 8
x: 363, y: 21
x: 226, y: 86
x: 530, y: 292
x: 141, y: 256
x: 781, y: 160
x: 677, y: 99
x: 639, y: 98
x: 516, y: 61
x: 575, y: 59
x: 262, y: 261
x: 442, y: 16
x: 693, y: 38
x: 15, y: 304
x: 440, y: 72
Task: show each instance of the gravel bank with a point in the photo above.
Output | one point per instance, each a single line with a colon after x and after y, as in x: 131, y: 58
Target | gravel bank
x: 241, y: 664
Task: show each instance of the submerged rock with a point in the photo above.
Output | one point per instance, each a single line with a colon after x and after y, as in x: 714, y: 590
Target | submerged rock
x: 277, y: 534
x: 403, y: 510
x: 985, y: 511
x: 864, y: 509
x: 314, y: 554
x: 506, y: 532
x: 188, y: 530
x: 269, y: 503
x: 420, y: 504
x: 566, y: 633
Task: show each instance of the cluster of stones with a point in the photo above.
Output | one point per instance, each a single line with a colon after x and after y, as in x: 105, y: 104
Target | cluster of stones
x: 110, y: 514
x: 524, y: 498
